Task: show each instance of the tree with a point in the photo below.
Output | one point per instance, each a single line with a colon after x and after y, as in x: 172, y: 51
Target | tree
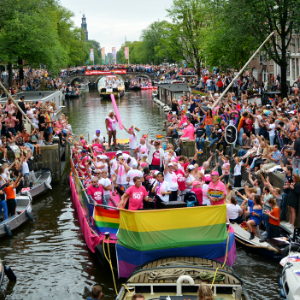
x: 188, y: 28
x: 258, y: 19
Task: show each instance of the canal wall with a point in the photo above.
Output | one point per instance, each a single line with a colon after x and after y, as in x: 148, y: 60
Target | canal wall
x: 188, y: 149
x: 54, y: 158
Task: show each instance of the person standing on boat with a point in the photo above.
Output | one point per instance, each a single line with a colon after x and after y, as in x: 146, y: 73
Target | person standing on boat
x: 95, y: 192
x: 171, y: 179
x: 111, y: 122
x: 136, y: 194
x: 161, y: 189
x: 156, y: 155
x: 256, y: 213
x: 132, y: 138
x: 216, y: 190
x: 274, y: 219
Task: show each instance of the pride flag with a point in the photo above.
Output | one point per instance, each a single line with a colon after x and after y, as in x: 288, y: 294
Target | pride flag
x: 148, y: 235
x: 242, y: 119
x: 272, y: 100
x: 106, y: 220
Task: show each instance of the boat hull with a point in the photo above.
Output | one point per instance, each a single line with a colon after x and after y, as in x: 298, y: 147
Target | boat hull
x: 107, y: 95
x: 135, y: 88
x: 42, y: 185
x: 23, y: 209
x: 72, y: 96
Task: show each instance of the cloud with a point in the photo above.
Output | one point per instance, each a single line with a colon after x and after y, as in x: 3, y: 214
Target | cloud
x: 108, y: 22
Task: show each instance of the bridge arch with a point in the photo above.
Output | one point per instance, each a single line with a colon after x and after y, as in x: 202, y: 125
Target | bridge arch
x: 81, y: 79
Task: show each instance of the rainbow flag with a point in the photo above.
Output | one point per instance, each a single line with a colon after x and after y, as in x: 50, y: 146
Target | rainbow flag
x: 196, y: 232
x: 272, y: 100
x: 242, y: 119
x: 106, y: 220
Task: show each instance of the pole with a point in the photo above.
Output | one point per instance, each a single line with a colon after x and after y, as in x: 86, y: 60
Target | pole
x: 16, y: 103
x: 241, y: 71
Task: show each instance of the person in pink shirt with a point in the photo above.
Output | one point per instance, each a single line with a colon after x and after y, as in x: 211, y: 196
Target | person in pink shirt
x: 180, y: 179
x: 97, y: 145
x: 216, y: 192
x: 183, y: 119
x: 95, y: 191
x: 188, y: 133
x: 10, y: 123
x: 198, y: 191
x: 136, y: 194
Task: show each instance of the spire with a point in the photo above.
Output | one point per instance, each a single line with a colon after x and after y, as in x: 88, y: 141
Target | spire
x: 84, y: 27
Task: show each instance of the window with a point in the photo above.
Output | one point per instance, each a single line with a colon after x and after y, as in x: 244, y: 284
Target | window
x: 271, y: 62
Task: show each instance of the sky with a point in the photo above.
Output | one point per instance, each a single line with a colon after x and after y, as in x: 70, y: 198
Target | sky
x: 108, y: 22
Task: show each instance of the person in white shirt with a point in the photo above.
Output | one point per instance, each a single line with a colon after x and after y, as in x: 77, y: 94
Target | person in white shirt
x: 171, y: 179
x: 271, y: 130
x: 106, y: 184
x: 237, y: 171
x: 132, y: 138
x: 234, y: 211
x: 161, y: 189
x: 134, y: 172
x: 97, y: 135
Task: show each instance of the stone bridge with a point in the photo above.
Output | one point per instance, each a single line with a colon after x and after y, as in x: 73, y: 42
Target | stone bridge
x: 93, y: 79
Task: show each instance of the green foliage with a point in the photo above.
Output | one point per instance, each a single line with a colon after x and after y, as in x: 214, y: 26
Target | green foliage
x: 39, y: 32
x: 135, y: 53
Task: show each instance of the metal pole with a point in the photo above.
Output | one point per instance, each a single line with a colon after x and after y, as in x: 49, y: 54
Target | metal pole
x: 241, y: 71
x: 16, y: 103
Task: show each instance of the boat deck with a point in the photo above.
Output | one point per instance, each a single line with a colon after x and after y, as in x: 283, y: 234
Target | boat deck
x: 144, y: 277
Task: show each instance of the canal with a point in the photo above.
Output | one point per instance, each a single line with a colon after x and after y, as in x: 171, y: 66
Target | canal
x: 50, y: 257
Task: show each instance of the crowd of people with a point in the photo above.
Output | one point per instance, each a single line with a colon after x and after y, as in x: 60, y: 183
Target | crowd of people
x: 26, y: 146
x: 152, y: 172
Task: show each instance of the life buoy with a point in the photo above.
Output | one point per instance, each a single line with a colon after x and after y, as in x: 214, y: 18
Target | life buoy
x: 10, y: 274
x: 7, y: 230
x: 286, y: 250
x: 29, y: 216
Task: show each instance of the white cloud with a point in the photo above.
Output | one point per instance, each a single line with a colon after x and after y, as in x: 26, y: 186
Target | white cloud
x: 108, y: 22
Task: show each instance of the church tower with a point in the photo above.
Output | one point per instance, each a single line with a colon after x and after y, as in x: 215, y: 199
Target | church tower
x: 84, y: 27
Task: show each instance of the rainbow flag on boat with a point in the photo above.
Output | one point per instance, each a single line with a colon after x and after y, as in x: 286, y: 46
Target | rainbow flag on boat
x: 106, y: 220
x: 149, y: 235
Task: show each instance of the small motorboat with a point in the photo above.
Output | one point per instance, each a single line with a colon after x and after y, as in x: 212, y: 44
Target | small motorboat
x: 72, y: 95
x: 42, y: 184
x: 271, y: 248
x: 179, y: 278
x: 136, y: 87
x: 290, y: 279
x: 23, y: 215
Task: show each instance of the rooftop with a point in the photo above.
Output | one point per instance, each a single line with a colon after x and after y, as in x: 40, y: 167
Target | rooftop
x: 180, y: 87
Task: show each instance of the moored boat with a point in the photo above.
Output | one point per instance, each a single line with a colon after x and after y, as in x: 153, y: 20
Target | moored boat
x: 111, y: 85
x: 42, y: 184
x: 179, y: 278
x: 23, y: 214
x: 72, y: 95
x: 135, y: 87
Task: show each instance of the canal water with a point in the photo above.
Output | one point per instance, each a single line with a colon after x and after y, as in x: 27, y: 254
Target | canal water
x: 50, y: 257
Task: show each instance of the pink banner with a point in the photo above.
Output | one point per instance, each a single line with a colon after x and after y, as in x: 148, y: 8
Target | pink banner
x: 112, y: 72
x: 91, y: 239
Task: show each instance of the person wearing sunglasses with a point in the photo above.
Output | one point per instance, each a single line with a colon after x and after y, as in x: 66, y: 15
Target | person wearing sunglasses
x: 95, y: 191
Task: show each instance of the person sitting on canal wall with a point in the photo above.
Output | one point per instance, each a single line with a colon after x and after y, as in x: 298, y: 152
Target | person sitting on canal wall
x: 188, y: 133
x: 96, y: 292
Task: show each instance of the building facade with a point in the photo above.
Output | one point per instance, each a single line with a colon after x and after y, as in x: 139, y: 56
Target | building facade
x: 84, y: 27
x: 263, y: 69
